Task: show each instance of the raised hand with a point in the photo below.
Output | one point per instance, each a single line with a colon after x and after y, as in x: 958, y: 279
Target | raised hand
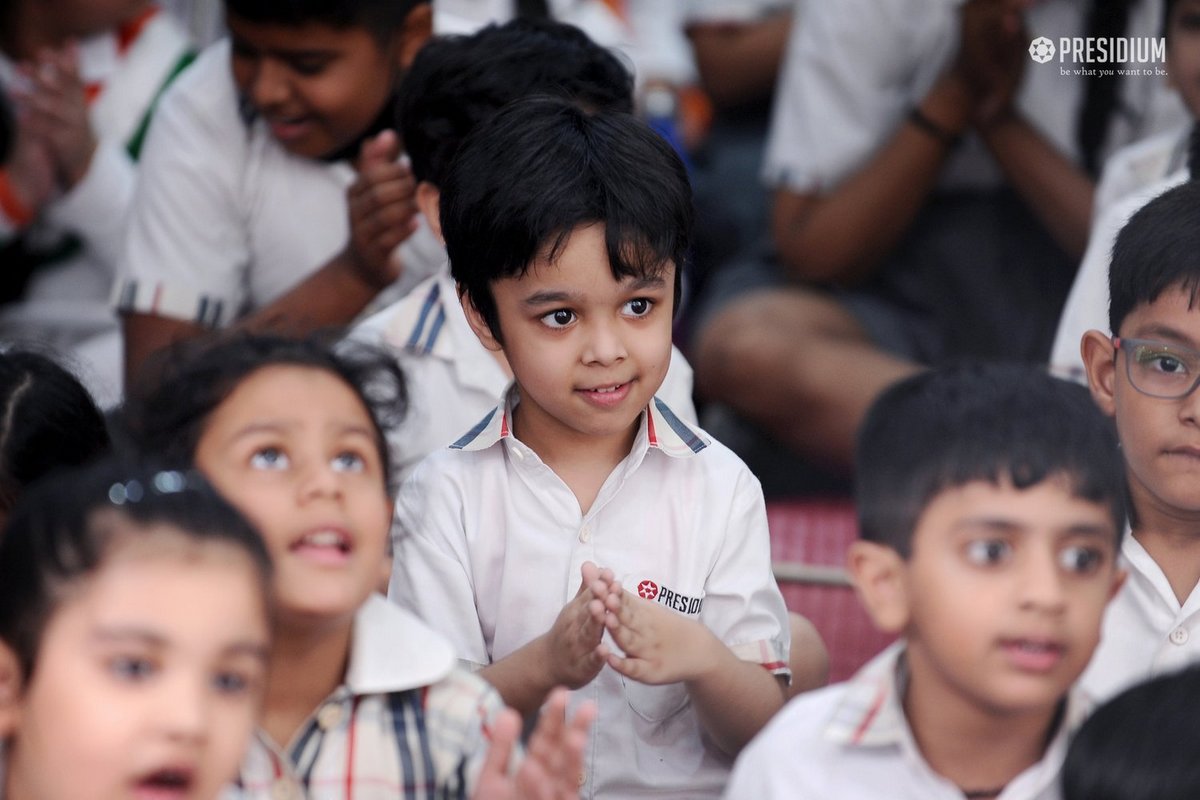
x: 383, y: 210
x: 660, y: 645
x: 574, y: 641
x: 553, y: 763
x: 57, y: 112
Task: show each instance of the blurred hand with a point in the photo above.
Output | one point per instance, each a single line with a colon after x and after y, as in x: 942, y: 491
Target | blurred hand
x: 383, y: 210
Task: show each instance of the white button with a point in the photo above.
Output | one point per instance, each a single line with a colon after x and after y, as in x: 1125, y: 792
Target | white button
x: 1179, y: 636
x: 582, y: 778
x: 281, y: 789
x: 329, y: 716
x: 585, y: 534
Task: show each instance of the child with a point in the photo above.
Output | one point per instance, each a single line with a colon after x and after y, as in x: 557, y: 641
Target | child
x: 454, y: 83
x: 243, y: 213
x: 361, y: 694
x: 1132, y: 176
x: 1144, y: 376
x: 85, y: 77
x: 133, y: 637
x: 47, y: 421
x: 566, y: 232
x: 990, y: 501
x: 1139, y: 745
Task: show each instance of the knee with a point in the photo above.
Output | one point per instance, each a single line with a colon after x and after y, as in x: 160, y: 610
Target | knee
x: 739, y: 347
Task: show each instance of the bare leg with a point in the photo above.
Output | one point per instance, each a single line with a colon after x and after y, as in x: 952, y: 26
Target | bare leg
x: 798, y: 365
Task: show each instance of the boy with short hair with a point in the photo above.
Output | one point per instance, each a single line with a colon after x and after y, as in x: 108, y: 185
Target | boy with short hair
x: 566, y: 231
x: 272, y: 197
x: 453, y: 84
x: 1144, y: 376
x: 991, y: 506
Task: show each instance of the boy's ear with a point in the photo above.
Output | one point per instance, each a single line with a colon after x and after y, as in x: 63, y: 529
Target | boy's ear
x: 418, y: 27
x: 1099, y: 359
x: 477, y: 323
x: 880, y: 578
x: 10, y: 691
x: 428, y: 199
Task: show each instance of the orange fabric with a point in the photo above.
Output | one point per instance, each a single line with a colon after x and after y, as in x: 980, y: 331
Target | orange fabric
x: 13, y: 207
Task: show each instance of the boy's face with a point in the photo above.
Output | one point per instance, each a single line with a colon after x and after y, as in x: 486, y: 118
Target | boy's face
x: 1183, y: 52
x: 1160, y: 438
x: 587, y: 351
x: 317, y: 87
x: 294, y: 450
x: 1002, y: 597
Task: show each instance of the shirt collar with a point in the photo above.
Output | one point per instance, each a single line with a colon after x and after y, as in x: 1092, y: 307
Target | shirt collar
x: 870, y: 713
x: 392, y: 651
x: 659, y: 428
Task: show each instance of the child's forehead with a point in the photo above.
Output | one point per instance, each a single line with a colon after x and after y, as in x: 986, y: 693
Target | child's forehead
x: 1174, y: 313
x: 1051, y: 503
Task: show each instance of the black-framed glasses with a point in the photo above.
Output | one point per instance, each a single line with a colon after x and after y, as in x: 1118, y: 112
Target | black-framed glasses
x: 1160, y: 369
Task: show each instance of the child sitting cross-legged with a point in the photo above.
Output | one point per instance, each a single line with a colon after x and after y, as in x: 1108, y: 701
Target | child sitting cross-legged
x: 566, y: 232
x: 991, y: 505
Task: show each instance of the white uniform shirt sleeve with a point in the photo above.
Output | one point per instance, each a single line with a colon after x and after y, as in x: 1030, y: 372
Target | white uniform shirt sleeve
x: 431, y: 567
x: 742, y: 603
x: 187, y: 238
x: 96, y: 207
x: 845, y: 82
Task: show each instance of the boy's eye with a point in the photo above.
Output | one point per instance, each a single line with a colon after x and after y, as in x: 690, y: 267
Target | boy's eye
x: 1162, y: 361
x: 349, y: 462
x: 269, y: 458
x: 309, y: 66
x: 639, y: 307
x: 1189, y: 21
x: 131, y: 668
x: 986, y: 552
x: 558, y: 319
x: 1080, y: 559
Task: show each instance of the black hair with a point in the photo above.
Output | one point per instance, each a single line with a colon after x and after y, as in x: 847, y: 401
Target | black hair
x: 1155, y: 251
x: 47, y: 421
x: 455, y: 82
x: 968, y: 422
x: 540, y: 168
x: 381, y: 17
x: 57, y: 536
x: 168, y: 420
x: 1139, y: 745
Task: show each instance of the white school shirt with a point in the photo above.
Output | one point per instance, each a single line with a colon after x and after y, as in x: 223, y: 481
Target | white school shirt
x: 490, y: 550
x: 851, y: 741
x: 225, y: 220
x: 452, y: 379
x: 854, y: 68
x: 1146, y: 632
x: 1133, y: 177
x: 406, y: 724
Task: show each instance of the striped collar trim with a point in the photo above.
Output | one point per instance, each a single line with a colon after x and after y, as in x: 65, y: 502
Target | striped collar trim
x: 660, y: 428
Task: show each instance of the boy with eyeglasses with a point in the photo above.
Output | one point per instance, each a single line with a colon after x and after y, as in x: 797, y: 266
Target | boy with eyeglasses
x: 1145, y: 376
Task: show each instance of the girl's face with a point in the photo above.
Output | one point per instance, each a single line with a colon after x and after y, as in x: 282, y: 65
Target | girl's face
x: 317, y: 87
x: 294, y: 449
x: 148, y: 678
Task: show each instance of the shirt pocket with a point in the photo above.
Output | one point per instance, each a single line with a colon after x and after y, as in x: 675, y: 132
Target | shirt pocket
x: 655, y: 703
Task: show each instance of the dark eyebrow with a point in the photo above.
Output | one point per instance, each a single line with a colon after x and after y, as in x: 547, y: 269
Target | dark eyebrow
x: 128, y: 633
x: 1167, y: 334
x: 548, y: 297
x: 646, y: 282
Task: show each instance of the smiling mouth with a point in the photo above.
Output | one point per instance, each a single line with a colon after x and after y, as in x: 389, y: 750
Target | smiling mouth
x: 1033, y: 655
x: 606, y: 396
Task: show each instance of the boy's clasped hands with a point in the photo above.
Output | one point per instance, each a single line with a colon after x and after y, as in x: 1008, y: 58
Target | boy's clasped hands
x: 650, y: 638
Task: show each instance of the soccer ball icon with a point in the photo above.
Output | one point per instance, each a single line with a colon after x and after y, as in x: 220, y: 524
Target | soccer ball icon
x: 1041, y: 50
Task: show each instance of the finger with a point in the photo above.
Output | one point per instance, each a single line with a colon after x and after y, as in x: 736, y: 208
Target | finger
x: 381, y: 148
x: 633, y: 668
x: 503, y: 734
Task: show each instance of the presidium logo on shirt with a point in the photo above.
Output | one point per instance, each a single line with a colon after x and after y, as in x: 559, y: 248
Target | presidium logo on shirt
x: 649, y: 590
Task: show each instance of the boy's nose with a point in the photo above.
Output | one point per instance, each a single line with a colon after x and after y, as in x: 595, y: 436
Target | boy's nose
x: 604, y: 345
x: 268, y: 86
x: 1042, y: 583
